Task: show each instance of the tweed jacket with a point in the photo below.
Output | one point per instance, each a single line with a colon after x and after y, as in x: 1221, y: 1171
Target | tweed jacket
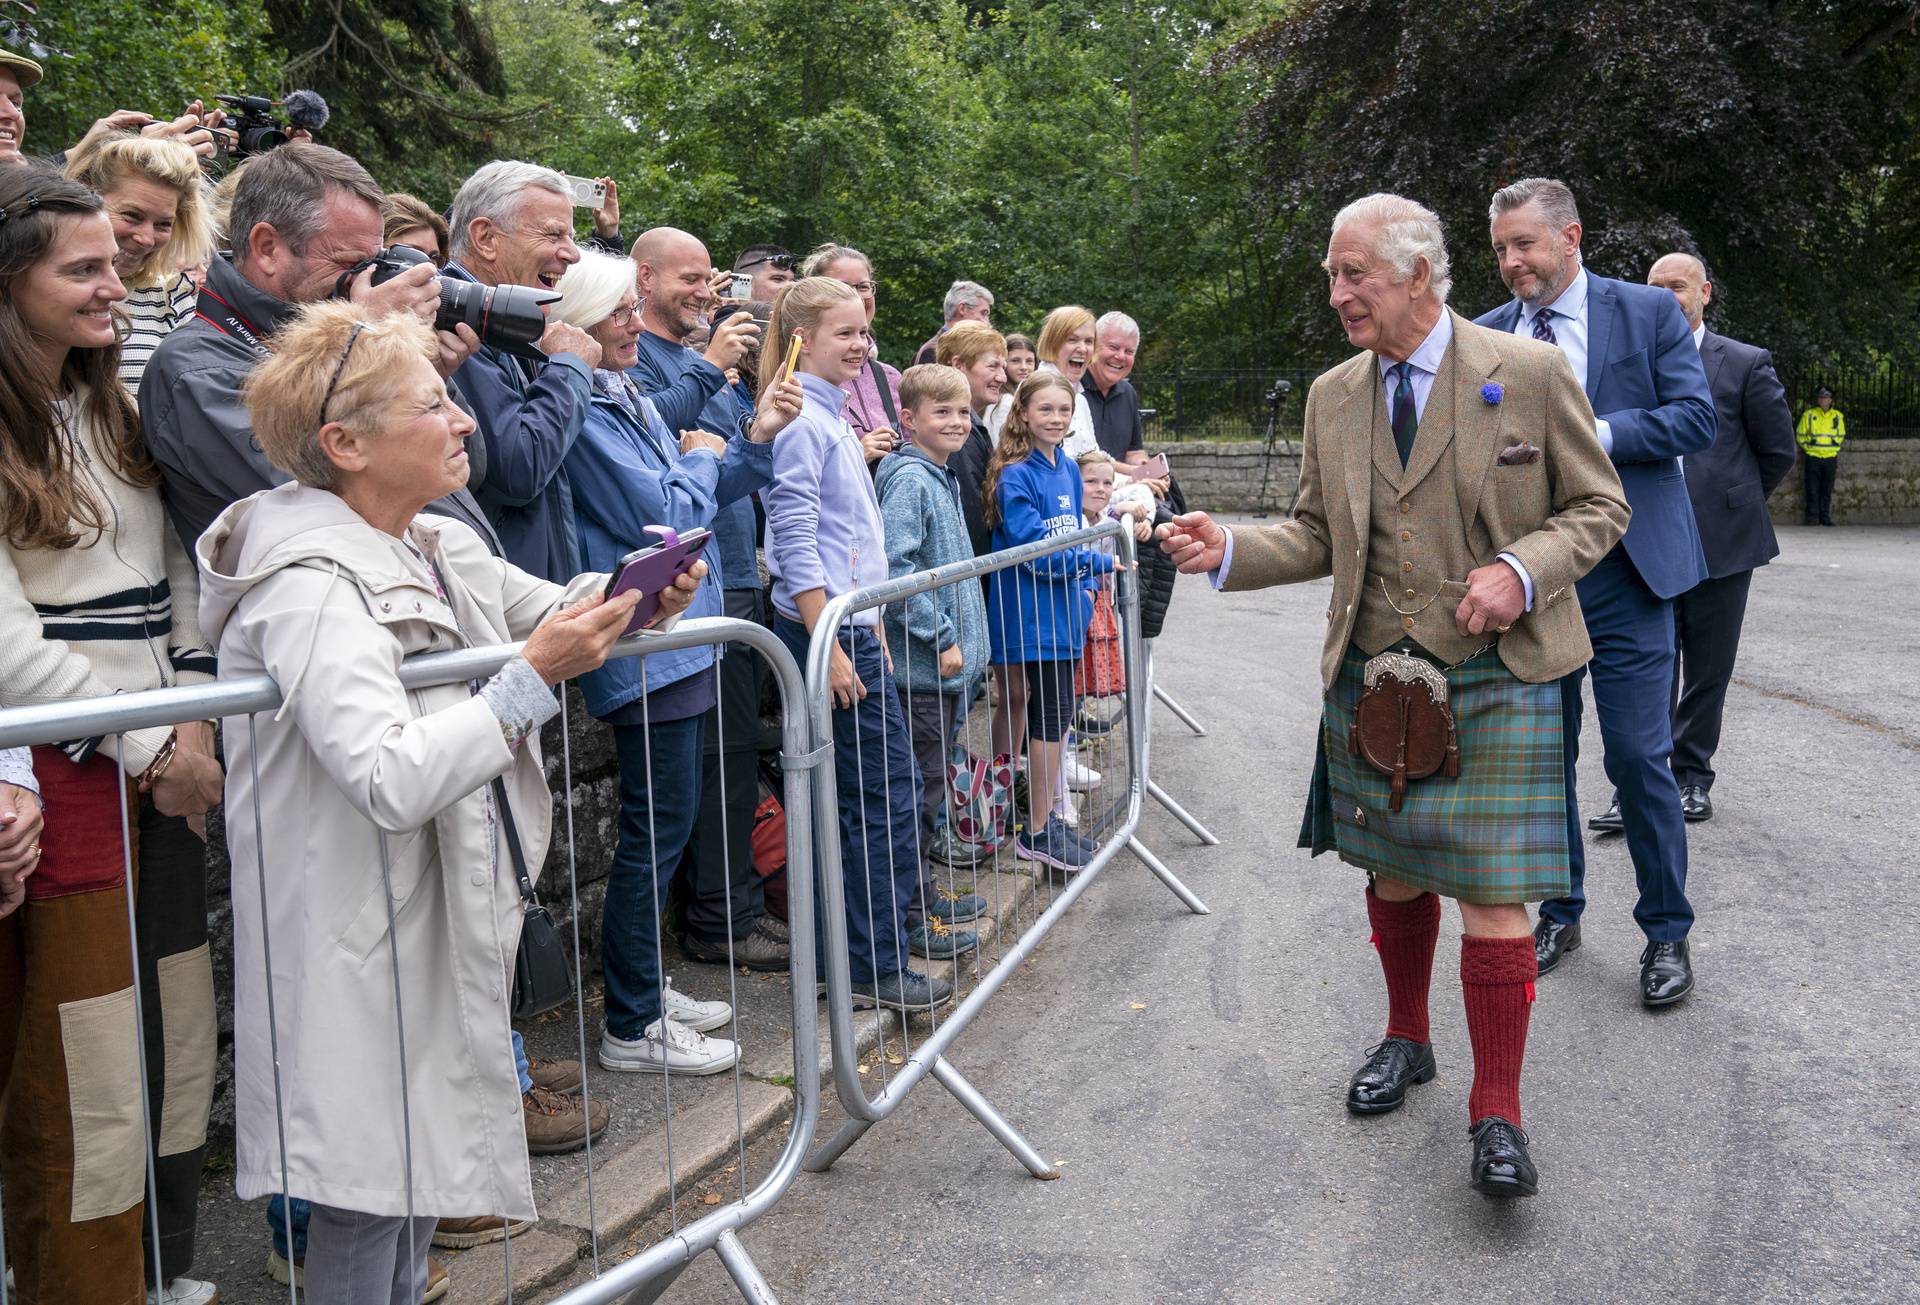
x: 1558, y: 512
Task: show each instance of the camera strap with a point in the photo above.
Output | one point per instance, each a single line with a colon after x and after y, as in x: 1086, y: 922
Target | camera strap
x: 226, y: 319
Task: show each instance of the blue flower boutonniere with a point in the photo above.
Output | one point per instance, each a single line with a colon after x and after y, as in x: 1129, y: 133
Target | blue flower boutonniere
x: 1492, y: 392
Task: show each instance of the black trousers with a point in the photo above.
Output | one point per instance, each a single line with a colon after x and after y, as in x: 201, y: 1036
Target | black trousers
x: 1707, y: 621
x: 725, y: 896
x: 1820, y: 476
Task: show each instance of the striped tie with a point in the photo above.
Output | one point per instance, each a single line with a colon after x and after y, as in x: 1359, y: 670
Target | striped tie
x: 1543, y: 326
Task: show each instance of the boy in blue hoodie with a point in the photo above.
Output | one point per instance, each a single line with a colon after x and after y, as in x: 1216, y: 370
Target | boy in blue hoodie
x: 939, y: 638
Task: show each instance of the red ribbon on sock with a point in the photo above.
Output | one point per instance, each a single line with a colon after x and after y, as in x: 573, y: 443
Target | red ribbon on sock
x: 1529, y: 992
x: 1375, y: 940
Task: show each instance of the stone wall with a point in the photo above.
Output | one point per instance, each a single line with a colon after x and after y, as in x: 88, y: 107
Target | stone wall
x: 1878, y: 483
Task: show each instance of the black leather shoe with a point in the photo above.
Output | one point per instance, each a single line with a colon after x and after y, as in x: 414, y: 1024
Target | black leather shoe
x: 1695, y: 804
x: 1552, y: 941
x: 1609, y: 821
x: 1501, y: 1165
x: 1392, y: 1067
x: 1666, y: 973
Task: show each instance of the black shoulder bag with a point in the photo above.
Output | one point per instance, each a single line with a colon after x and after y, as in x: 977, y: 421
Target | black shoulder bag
x: 542, y: 971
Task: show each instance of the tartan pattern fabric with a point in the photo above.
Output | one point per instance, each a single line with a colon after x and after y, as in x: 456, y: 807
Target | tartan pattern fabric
x: 1496, y: 834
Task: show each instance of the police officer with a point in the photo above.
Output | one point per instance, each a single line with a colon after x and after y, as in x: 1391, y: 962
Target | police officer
x: 1822, y: 430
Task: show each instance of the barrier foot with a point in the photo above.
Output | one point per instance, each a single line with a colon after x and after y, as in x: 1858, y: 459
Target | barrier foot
x: 1181, y: 814
x: 981, y: 1109
x: 1168, y: 878
x: 1185, y: 717
x: 649, y: 1292
x: 745, y: 1275
x: 850, y: 1132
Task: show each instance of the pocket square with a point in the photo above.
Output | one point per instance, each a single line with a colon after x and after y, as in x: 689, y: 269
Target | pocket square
x: 1516, y: 455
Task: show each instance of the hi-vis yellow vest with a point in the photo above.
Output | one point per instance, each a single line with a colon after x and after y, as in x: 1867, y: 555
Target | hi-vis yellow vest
x: 1822, y: 432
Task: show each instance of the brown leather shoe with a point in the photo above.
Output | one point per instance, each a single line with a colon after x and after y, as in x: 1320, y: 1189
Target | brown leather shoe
x: 437, y: 1281
x: 554, y: 1075
x: 458, y: 1234
x: 557, y: 1122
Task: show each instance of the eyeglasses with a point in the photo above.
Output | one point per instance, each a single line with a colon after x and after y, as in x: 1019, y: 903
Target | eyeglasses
x: 782, y: 262
x: 338, y: 368
x: 623, y: 316
x: 861, y: 287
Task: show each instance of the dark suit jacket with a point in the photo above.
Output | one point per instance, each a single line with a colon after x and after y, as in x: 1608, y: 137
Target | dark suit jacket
x: 1730, y: 480
x: 1645, y: 379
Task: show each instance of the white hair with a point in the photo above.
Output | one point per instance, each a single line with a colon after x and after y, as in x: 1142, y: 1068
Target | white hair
x: 592, y: 288
x: 962, y: 293
x: 1116, y: 323
x: 1405, y: 233
x: 494, y: 192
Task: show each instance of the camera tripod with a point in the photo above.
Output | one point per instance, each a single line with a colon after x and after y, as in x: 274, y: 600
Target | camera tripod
x: 1277, y: 396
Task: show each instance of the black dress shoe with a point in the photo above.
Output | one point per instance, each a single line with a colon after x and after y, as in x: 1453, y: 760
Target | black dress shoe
x: 1392, y: 1067
x: 1695, y: 805
x: 1501, y: 1165
x: 1666, y: 973
x: 1609, y: 821
x: 1552, y: 941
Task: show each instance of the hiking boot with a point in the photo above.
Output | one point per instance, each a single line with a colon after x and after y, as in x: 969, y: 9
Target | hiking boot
x: 756, y: 951
x: 458, y: 1234
x: 558, y: 1122
x: 700, y: 1016
x: 956, y: 908
x: 933, y: 940
x: 668, y: 1047
x: 908, y: 990
x: 948, y: 848
x: 1055, y: 845
x: 772, y: 926
x: 555, y: 1075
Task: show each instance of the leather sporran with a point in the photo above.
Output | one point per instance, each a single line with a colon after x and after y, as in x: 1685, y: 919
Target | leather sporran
x: 1403, y: 724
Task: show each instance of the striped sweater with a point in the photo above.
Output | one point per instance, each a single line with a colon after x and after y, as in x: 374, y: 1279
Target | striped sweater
x: 113, y: 614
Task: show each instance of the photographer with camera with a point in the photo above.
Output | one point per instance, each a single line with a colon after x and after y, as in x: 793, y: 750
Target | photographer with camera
x: 512, y: 225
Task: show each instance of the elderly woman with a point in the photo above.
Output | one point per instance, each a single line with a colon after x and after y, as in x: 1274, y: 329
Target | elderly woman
x: 629, y: 473
x: 403, y: 818
x: 160, y: 226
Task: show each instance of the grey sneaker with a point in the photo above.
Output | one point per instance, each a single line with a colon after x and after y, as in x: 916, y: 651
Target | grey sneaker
x: 956, y: 908
x: 908, y: 990
x: 756, y: 951
x: 1054, y: 845
x: 771, y: 926
x: 933, y: 940
x: 961, y: 855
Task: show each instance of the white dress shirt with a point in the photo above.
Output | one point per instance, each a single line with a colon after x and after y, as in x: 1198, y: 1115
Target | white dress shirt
x: 1699, y: 333
x: 1569, y: 323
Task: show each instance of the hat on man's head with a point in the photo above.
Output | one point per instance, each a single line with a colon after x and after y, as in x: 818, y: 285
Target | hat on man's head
x: 25, y: 70
x: 1823, y: 391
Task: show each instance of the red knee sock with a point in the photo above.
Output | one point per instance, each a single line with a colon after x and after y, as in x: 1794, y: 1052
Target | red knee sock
x: 1405, y: 933
x: 1496, y: 977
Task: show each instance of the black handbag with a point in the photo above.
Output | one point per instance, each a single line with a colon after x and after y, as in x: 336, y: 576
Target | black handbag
x: 542, y: 970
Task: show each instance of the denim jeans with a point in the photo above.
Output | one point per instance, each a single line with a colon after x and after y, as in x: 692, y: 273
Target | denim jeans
x: 653, y: 837
x: 880, y: 799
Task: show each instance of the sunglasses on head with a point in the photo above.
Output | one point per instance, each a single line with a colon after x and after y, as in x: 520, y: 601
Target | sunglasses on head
x: 783, y: 262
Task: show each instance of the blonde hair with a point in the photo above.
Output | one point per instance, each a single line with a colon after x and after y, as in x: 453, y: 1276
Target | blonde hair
x: 825, y: 256
x: 798, y: 307
x: 111, y: 159
x: 965, y: 343
x: 933, y: 383
x: 1016, y: 440
x: 285, y: 394
x: 407, y: 213
x: 592, y: 288
x: 1095, y: 457
x: 1061, y: 323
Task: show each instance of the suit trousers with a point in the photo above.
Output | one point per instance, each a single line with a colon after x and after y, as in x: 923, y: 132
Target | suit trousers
x: 1707, y: 621
x: 1632, y: 671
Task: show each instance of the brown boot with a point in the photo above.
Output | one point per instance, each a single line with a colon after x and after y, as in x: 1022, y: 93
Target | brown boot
x: 437, y: 1281
x: 557, y: 1123
x: 554, y: 1075
x: 458, y: 1234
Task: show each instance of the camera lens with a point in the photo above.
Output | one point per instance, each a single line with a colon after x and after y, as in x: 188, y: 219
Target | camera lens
x: 258, y: 140
x: 502, y: 316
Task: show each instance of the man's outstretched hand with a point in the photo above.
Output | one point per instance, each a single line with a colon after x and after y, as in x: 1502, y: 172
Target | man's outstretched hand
x: 1194, y: 542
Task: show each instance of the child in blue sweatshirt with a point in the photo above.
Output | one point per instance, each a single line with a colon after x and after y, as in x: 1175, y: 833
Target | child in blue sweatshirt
x: 940, y: 636
x: 1037, y: 612
x: 824, y: 538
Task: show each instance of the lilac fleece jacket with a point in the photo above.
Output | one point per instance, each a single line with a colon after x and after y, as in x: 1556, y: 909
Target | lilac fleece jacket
x: 823, y: 520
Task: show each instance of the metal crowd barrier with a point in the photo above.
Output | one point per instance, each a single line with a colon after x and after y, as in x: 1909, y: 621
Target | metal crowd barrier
x: 648, y: 1273
x: 1113, y: 813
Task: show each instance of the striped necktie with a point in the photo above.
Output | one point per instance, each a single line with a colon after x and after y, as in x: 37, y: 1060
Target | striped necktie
x: 1543, y: 326
x: 1405, y: 422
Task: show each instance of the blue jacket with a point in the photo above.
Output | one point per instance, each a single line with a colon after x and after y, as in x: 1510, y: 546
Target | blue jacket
x: 823, y: 521
x: 529, y: 414
x: 920, y: 509
x: 629, y: 475
x: 1039, y: 611
x: 1644, y: 378
x: 689, y: 391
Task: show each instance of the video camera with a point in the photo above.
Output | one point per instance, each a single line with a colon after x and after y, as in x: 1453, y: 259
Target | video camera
x: 256, y: 130
x: 506, y: 317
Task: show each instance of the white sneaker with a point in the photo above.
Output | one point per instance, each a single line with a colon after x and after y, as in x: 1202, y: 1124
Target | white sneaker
x: 668, y: 1047
x: 1079, y: 776
x: 700, y: 1016
x: 184, y: 1291
x: 1069, y: 814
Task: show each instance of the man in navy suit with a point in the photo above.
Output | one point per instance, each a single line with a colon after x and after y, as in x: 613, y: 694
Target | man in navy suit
x: 1729, y: 484
x: 1631, y: 346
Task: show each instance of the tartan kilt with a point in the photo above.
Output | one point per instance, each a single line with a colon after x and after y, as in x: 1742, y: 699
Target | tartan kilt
x: 1496, y: 834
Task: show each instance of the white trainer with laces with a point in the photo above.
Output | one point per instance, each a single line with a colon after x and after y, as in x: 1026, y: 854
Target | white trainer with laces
x: 184, y: 1291
x: 700, y: 1016
x: 669, y: 1047
x: 1079, y: 775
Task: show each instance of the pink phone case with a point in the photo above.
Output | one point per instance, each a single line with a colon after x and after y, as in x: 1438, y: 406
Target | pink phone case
x: 651, y: 570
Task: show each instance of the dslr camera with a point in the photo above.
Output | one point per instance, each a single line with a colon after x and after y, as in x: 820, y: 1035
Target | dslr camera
x: 256, y: 130
x: 505, y: 317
